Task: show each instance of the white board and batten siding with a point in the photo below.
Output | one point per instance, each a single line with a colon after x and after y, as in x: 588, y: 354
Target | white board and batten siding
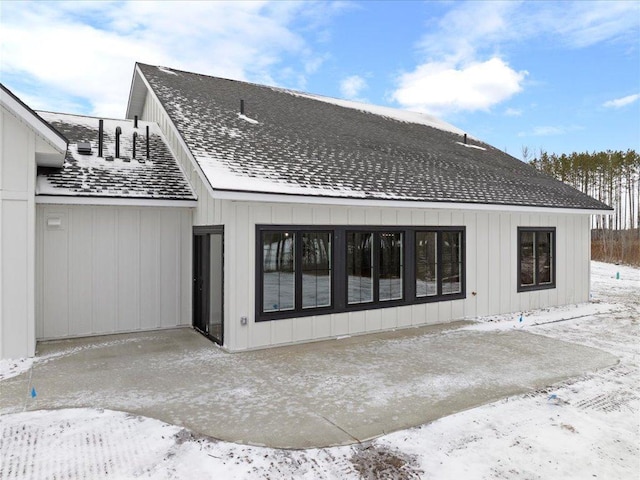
x: 491, y: 269
x: 491, y: 259
x: 108, y: 269
x: 17, y: 210
x: 25, y: 142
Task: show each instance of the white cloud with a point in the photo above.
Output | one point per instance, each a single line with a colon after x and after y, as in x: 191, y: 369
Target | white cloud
x: 471, y: 37
x: 621, y: 102
x: 351, y: 87
x: 513, y: 112
x: 441, y: 88
x: 87, y: 50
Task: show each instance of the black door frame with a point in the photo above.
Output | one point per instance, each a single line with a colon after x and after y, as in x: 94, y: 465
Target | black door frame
x: 203, y: 301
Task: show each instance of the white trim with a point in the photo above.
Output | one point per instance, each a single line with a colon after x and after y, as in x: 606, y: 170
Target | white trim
x: 35, y: 122
x: 357, y: 202
x: 117, y: 201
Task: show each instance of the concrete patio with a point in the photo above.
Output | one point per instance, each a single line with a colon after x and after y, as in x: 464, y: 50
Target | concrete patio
x: 333, y: 392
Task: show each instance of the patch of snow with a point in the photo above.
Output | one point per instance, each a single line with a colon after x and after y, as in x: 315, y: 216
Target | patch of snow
x: 247, y: 119
x: 12, y: 368
x: 389, y: 112
x: 587, y: 427
x: 468, y: 145
x: 167, y: 70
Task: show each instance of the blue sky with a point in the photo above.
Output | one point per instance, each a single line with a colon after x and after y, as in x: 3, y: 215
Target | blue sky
x: 558, y: 76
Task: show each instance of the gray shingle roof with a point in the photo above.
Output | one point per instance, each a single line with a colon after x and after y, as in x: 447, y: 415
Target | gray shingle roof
x: 294, y: 143
x: 158, y: 177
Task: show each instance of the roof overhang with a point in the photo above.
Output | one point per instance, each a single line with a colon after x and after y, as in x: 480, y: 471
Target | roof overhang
x: 51, y: 146
x: 114, y: 201
x: 368, y: 202
x: 137, y: 95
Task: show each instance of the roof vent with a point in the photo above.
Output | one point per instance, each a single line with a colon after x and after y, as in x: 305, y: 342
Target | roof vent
x: 118, y: 133
x: 147, y: 142
x: 100, y: 133
x: 84, y: 148
x: 135, y: 137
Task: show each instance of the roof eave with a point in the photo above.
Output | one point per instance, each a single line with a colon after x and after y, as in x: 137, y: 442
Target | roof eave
x: 53, y: 138
x: 137, y: 95
x: 235, y: 195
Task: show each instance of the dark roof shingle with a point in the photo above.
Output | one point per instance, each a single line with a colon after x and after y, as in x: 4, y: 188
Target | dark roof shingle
x: 156, y: 177
x: 295, y: 143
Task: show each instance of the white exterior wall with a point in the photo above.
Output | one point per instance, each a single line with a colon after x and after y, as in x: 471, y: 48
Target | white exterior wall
x: 491, y: 269
x: 19, y: 144
x: 491, y: 259
x: 108, y: 269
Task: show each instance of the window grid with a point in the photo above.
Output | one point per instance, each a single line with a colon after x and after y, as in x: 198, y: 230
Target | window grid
x: 536, y: 258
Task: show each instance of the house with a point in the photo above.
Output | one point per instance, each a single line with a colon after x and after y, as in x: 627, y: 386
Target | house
x: 297, y: 218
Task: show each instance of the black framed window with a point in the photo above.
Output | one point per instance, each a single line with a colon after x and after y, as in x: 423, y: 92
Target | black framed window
x: 359, y: 267
x: 317, y: 269
x: 375, y: 266
x: 295, y: 271
x: 439, y: 263
x: 278, y: 271
x: 391, y: 264
x: 536, y: 258
x: 310, y: 270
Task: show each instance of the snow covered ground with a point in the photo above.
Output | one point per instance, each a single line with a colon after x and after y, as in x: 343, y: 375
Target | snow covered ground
x: 588, y: 427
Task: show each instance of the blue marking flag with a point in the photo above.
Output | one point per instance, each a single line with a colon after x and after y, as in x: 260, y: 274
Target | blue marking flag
x: 33, y: 392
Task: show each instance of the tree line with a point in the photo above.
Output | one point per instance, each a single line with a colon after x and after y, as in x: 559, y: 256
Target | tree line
x: 613, y: 177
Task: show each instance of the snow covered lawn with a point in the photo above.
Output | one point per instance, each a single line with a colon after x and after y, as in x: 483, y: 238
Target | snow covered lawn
x: 588, y: 427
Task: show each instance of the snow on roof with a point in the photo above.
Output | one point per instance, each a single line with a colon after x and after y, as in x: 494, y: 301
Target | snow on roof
x: 157, y: 176
x: 389, y: 112
x: 304, y: 144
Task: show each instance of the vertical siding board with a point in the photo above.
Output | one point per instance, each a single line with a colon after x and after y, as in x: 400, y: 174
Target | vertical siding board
x: 81, y: 266
x: 339, y: 324
x: 356, y: 322
x: 105, y: 271
x: 303, y: 329
x: 373, y: 319
x: 282, y: 331
x: 515, y: 296
x: 493, y: 265
x: 416, y: 315
x: 242, y: 248
x: 506, y: 264
x: 128, y: 258
x: 482, y: 262
x: 186, y: 267
x: 321, y: 215
x: 470, y: 303
x: 149, y: 269
x: 40, y: 213
x: 321, y: 326
x: 169, y: 268
x: 56, y: 287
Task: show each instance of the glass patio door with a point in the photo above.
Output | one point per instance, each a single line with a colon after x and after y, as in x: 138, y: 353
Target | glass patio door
x: 208, y: 281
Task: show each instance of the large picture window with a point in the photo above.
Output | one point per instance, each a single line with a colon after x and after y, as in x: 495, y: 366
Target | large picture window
x: 310, y: 270
x: 536, y: 258
x: 296, y: 272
